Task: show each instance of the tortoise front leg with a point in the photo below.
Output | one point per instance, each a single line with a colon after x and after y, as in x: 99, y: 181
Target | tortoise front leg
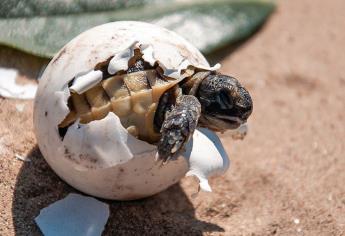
x: 178, y: 126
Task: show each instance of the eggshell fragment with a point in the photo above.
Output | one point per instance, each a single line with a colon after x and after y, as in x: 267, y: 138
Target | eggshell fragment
x: 75, y: 215
x: 84, y: 82
x: 10, y: 89
x: 120, y: 60
x: 96, y: 149
x: 101, y: 158
x: 206, y: 157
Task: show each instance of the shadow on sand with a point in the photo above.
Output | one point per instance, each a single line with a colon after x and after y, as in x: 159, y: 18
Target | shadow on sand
x: 167, y: 213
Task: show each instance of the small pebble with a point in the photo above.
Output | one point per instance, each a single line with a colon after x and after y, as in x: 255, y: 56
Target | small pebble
x: 20, y: 107
x: 19, y: 157
x: 330, y: 197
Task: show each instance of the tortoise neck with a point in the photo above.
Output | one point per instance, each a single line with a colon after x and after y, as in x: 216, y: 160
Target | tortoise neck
x: 190, y: 85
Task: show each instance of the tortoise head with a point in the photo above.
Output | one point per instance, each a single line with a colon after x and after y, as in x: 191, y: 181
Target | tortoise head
x: 225, y: 103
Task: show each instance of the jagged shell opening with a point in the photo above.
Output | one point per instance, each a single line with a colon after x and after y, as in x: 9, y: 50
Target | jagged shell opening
x: 129, y: 84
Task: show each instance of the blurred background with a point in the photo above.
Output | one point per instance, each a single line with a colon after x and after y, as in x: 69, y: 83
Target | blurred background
x: 287, y: 176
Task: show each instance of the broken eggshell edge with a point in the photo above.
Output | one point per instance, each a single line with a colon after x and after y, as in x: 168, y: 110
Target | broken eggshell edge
x: 100, y: 158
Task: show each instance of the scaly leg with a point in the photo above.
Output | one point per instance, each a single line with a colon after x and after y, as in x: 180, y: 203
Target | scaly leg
x: 178, y: 126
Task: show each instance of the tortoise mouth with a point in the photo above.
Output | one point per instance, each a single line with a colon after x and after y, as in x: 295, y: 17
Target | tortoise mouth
x: 221, y: 123
x: 230, y: 119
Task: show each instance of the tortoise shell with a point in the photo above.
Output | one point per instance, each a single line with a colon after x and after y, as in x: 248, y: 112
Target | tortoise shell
x: 132, y: 97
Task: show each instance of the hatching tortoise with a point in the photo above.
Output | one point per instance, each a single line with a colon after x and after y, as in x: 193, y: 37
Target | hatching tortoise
x: 160, y: 109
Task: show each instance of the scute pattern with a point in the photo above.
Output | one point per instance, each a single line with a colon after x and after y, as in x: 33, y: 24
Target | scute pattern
x: 132, y: 97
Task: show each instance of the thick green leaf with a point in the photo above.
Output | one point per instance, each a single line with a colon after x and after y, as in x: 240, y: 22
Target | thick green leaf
x: 207, y: 24
x: 34, y: 8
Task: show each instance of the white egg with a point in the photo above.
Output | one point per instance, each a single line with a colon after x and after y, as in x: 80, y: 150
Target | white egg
x: 101, y: 158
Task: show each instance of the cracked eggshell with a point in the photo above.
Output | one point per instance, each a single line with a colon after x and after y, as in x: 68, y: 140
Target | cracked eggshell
x: 101, y: 158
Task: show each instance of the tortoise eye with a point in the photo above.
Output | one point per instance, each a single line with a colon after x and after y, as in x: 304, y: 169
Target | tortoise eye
x: 225, y: 100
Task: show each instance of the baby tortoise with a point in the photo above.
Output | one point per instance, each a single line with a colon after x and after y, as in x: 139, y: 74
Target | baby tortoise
x: 162, y: 110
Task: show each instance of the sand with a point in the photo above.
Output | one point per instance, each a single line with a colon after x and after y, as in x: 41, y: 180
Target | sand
x: 286, y: 178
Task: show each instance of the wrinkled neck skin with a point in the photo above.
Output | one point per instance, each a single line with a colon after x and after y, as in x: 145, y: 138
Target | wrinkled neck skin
x: 191, y: 85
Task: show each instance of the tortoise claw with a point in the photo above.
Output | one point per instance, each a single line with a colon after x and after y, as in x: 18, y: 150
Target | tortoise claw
x: 173, y: 138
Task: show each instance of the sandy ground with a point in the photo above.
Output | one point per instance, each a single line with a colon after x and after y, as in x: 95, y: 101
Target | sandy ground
x: 287, y: 177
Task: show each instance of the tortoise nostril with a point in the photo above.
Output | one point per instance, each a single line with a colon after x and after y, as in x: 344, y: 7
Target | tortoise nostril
x: 246, y: 114
x: 247, y: 111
